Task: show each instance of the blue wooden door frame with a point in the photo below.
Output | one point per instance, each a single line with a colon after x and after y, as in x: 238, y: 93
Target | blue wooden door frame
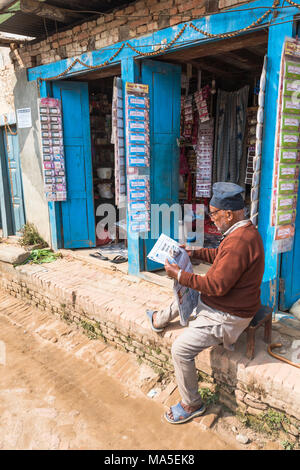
x: 219, y: 23
x: 130, y: 72
x: 11, y: 145
x: 270, y: 284
x: 77, y: 212
x: 55, y: 208
x: 164, y: 81
x: 290, y: 261
x: 290, y: 271
x: 5, y: 195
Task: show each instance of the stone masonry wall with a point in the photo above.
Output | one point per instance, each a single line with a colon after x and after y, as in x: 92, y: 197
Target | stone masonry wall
x: 249, y: 400
x: 7, y: 82
x: 119, y: 25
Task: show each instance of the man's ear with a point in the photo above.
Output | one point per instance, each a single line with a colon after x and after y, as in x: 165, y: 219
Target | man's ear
x: 229, y: 215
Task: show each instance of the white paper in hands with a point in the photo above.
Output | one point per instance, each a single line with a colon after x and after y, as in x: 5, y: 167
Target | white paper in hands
x: 187, y: 298
x: 165, y: 248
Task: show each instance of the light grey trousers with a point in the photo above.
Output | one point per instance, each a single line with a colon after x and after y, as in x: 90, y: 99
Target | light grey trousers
x: 208, y: 328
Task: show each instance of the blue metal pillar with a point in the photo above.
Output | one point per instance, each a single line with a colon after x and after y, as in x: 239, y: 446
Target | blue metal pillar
x: 130, y: 73
x: 277, y: 35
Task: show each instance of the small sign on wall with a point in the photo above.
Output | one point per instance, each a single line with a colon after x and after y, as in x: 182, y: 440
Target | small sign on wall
x: 24, y: 118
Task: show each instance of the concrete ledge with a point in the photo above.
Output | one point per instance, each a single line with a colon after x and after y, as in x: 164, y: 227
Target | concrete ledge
x: 110, y: 306
x: 13, y: 254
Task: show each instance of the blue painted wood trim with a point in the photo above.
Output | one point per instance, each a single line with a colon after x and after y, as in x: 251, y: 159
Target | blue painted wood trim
x: 130, y: 73
x: 10, y: 118
x: 5, y: 193
x: 270, y: 283
x: 226, y: 21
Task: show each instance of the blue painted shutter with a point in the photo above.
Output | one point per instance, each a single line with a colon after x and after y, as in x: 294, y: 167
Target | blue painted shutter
x: 7, y: 224
x: 290, y: 271
x: 78, y: 219
x: 164, y: 82
x: 15, y: 179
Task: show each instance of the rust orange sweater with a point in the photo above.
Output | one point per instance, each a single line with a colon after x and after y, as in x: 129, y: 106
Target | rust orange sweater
x: 232, y: 284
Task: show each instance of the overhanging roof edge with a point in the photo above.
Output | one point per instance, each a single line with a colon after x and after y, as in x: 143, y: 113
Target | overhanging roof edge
x: 214, y: 23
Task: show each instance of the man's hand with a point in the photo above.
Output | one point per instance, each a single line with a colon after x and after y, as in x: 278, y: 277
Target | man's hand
x: 171, y: 269
x: 190, y: 252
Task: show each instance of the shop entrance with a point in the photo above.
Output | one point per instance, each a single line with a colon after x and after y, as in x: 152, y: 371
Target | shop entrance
x: 86, y: 220
x: 219, y: 132
x: 103, y: 163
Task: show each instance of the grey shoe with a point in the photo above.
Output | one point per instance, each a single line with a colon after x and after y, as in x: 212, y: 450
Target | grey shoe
x: 150, y: 314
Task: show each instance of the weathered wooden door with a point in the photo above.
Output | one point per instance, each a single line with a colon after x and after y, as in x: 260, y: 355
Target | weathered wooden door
x: 15, y: 180
x: 11, y: 192
x: 290, y: 261
x: 164, y: 82
x: 290, y: 270
x: 78, y: 219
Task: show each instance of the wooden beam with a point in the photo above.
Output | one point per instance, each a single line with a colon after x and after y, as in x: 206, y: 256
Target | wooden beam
x: 251, y: 56
x: 6, y: 42
x: 221, y: 46
x: 259, y: 49
x: 206, y: 67
x: 220, y: 64
x: 237, y: 61
x: 34, y: 7
x: 110, y: 71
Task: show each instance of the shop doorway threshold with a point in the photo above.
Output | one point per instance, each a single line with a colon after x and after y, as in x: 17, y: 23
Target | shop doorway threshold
x: 157, y: 277
x: 84, y: 254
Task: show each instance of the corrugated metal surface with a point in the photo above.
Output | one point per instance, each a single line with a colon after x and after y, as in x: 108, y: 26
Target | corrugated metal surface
x: 32, y: 25
x: 27, y: 25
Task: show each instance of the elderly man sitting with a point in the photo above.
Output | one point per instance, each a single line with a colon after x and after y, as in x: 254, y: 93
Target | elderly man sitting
x: 230, y: 295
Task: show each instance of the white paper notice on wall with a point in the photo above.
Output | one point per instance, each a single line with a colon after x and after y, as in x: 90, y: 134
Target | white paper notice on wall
x: 24, y: 118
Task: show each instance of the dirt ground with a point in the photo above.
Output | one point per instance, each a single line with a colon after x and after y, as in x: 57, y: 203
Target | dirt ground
x: 51, y: 399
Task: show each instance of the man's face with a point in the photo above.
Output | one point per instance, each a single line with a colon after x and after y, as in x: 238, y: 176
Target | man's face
x: 221, y: 218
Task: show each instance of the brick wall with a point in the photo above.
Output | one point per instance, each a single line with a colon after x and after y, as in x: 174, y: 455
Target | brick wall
x: 7, y: 82
x: 119, y: 25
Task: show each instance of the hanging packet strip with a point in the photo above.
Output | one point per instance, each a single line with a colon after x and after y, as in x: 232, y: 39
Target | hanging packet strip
x: 288, y: 171
x: 137, y: 114
x: 287, y: 202
x: 290, y: 106
x: 139, y: 226
x: 289, y: 156
x: 288, y: 187
x: 138, y: 137
x: 291, y: 87
x: 137, y: 101
x: 138, y: 182
x: 284, y: 231
x: 286, y: 217
x: 138, y: 126
x: 290, y: 122
x: 138, y: 149
x: 138, y: 195
x: 138, y: 206
x: 138, y: 161
x: 290, y: 139
x: 140, y: 216
x: 292, y: 70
